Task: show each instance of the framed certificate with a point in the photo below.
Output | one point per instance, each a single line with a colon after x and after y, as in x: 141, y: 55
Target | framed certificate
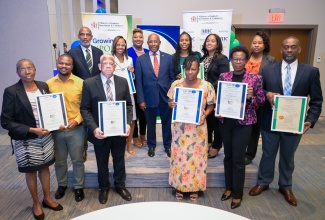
x: 125, y: 73
x: 189, y: 103
x: 112, y: 117
x: 51, y: 111
x: 231, y: 99
x: 289, y: 114
x: 200, y: 75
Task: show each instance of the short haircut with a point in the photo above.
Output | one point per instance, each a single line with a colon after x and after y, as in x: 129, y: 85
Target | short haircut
x: 137, y: 30
x: 189, y: 60
x: 65, y: 55
x: 23, y: 60
x: 292, y: 37
x: 239, y: 49
x: 106, y: 56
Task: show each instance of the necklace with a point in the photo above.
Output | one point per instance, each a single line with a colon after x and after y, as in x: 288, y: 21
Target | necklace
x: 138, y: 51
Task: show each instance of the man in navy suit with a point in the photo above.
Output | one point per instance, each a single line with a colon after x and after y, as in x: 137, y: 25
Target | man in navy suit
x: 277, y: 80
x: 83, y: 67
x: 154, y: 76
x: 95, y: 89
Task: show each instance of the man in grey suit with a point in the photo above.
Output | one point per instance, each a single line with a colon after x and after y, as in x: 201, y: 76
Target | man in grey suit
x: 291, y: 78
x: 154, y: 75
x: 85, y: 62
x: 102, y: 87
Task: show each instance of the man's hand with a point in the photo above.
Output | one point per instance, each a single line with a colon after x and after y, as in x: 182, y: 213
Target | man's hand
x: 39, y: 131
x: 307, y: 125
x: 142, y: 105
x: 99, y: 134
x: 127, y: 131
x: 270, y: 98
x: 72, y: 124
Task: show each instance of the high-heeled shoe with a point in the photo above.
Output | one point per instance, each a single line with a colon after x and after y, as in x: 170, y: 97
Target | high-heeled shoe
x: 56, y: 208
x: 235, y: 204
x: 224, y: 197
x: 38, y: 217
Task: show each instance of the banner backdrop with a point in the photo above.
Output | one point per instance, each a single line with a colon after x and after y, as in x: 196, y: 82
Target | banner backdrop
x: 105, y: 27
x: 168, y: 36
x: 200, y: 24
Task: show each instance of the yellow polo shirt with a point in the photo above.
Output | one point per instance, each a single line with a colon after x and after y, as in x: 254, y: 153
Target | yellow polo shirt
x: 71, y: 89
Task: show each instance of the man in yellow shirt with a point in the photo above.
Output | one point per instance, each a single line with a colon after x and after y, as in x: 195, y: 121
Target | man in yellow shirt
x: 69, y: 139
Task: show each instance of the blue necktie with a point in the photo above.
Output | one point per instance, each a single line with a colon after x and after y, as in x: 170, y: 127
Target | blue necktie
x: 287, y: 82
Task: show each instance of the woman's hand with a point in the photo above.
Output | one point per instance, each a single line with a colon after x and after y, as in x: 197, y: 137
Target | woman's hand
x: 202, y: 119
x: 39, y: 131
x: 249, y: 93
x: 171, y: 103
x: 131, y: 69
x: 179, y: 76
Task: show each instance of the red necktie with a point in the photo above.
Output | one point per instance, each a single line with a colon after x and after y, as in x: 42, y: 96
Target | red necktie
x: 155, y: 64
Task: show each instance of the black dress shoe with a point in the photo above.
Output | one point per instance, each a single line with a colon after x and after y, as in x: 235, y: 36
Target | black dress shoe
x: 235, y: 204
x: 56, y: 208
x: 39, y: 217
x: 103, y: 194
x: 60, y: 192
x: 225, y: 197
x: 79, y: 194
x: 167, y: 152
x: 151, y: 152
x: 124, y: 193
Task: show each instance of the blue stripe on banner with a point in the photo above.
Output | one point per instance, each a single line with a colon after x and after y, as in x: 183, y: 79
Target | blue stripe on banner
x: 176, y: 99
x: 198, y: 107
x: 218, y: 98
x: 131, y: 80
x: 242, y: 102
x: 124, y: 119
x: 101, y: 117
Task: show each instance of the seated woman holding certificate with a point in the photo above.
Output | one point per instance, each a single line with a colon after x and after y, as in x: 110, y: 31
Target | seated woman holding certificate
x: 123, y: 61
x: 189, y: 148
x: 236, y: 133
x: 33, y: 146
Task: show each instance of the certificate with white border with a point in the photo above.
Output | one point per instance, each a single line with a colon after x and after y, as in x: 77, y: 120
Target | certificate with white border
x: 189, y: 103
x: 289, y: 114
x: 200, y: 75
x: 112, y: 118
x: 125, y: 73
x: 51, y: 111
x: 231, y: 99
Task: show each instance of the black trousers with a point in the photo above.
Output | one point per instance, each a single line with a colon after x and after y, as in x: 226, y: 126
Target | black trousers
x: 116, y: 146
x: 141, y: 118
x: 256, y: 131
x: 214, y: 128
x: 235, y: 138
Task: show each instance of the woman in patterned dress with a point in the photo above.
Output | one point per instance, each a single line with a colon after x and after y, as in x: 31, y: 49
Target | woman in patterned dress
x: 33, y: 145
x: 189, y: 148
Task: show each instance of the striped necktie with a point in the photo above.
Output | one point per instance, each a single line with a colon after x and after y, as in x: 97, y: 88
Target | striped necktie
x: 287, y: 82
x: 109, y: 92
x: 89, y: 61
x: 155, y: 64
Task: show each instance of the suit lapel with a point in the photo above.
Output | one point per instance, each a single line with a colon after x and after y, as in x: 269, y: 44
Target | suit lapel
x: 149, y: 64
x: 117, y: 88
x: 278, y: 75
x: 300, y: 71
x: 100, y: 87
x: 23, y: 98
x: 82, y: 58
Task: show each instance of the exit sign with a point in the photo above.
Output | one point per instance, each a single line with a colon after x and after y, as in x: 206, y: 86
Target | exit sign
x: 275, y: 17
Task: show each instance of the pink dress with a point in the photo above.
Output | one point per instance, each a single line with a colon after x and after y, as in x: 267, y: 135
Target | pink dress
x: 189, y: 148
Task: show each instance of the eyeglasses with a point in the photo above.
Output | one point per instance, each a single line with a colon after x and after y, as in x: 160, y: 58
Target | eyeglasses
x: 23, y: 70
x: 83, y: 34
x: 238, y: 59
x: 120, y: 45
x: 286, y: 47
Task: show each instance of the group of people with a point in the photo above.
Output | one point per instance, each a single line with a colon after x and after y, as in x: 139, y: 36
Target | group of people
x: 86, y: 77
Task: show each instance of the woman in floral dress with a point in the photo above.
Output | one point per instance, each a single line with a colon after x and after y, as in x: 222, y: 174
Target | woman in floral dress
x: 189, y: 149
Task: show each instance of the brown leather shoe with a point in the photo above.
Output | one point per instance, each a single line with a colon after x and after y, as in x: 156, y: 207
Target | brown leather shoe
x: 258, y: 189
x: 289, y: 197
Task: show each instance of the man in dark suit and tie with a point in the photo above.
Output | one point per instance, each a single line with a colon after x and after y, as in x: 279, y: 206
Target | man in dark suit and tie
x: 291, y: 78
x: 102, y: 87
x: 85, y: 62
x: 154, y: 76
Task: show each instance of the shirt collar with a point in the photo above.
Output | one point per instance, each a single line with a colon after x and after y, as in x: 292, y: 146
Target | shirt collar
x: 292, y: 65
x: 70, y: 78
x: 157, y: 53
x: 104, y: 79
x: 84, y: 48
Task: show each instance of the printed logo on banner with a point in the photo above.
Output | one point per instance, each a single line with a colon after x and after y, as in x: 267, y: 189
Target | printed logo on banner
x: 193, y: 19
x: 206, y: 31
x: 94, y: 25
